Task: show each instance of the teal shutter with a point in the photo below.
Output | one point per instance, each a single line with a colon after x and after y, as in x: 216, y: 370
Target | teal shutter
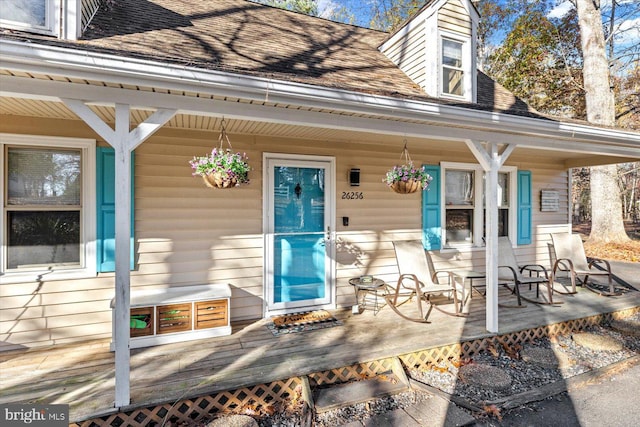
x: 525, y: 208
x: 431, y: 221
x: 106, y: 221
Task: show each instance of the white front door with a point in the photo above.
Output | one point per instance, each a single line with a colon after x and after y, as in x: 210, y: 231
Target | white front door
x: 299, y: 224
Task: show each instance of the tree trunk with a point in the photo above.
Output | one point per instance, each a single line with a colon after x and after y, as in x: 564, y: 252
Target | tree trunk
x: 606, y: 206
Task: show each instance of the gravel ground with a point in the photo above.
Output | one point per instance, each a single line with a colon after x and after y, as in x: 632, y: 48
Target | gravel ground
x: 574, y: 359
x: 568, y: 359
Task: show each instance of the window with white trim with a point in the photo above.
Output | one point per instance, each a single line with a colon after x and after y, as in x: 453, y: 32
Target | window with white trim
x: 464, y: 208
x: 48, y: 207
x: 452, y: 67
x: 38, y: 16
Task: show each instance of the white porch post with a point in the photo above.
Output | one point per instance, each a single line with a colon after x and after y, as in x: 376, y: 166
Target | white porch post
x: 123, y: 253
x: 491, y: 161
x: 123, y: 143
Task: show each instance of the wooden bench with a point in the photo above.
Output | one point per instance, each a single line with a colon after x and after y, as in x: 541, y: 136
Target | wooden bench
x: 184, y: 313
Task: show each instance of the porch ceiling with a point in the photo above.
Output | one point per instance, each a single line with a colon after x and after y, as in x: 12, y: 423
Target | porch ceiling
x: 292, y: 120
x: 57, y: 110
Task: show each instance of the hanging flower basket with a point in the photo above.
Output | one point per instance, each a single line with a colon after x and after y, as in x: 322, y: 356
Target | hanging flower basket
x: 222, y: 168
x: 406, y: 187
x: 216, y: 180
x: 406, y: 178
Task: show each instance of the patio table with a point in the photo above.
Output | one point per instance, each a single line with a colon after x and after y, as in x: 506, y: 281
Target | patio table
x: 470, y: 275
x: 366, y: 290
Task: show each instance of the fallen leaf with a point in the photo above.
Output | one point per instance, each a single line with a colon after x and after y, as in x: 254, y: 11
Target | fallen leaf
x: 493, y: 350
x: 492, y: 411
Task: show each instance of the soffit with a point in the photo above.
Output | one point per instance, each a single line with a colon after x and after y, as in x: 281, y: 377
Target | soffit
x: 57, y: 110
x: 205, y: 121
x: 265, y: 102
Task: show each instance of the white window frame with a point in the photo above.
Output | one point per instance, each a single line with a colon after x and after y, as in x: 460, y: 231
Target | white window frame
x: 52, y: 21
x: 466, y: 65
x: 88, y: 267
x: 479, y: 206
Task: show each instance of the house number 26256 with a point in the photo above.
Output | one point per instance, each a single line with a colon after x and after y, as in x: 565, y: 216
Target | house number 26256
x: 352, y: 195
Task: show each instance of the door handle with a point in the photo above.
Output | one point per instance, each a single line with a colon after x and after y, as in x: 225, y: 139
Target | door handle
x: 328, y: 233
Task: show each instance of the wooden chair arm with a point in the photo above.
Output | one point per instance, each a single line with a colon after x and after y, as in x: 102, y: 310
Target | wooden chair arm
x: 434, y: 277
x: 513, y: 271
x: 540, y: 268
x: 596, y: 261
x: 412, y: 277
x: 559, y: 262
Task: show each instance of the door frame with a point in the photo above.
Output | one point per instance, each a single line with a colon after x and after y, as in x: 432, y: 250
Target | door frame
x: 268, y: 211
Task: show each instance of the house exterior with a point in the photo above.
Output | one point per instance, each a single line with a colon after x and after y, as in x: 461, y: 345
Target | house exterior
x: 112, y: 101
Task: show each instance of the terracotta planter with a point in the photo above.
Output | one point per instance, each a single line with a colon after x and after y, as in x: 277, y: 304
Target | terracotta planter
x: 214, y: 180
x: 406, y: 187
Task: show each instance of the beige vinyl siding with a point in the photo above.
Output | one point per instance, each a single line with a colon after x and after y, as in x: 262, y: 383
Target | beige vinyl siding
x: 452, y: 16
x: 189, y: 234
x: 408, y: 54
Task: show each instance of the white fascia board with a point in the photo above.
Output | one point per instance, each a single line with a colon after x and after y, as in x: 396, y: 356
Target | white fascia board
x: 80, y: 64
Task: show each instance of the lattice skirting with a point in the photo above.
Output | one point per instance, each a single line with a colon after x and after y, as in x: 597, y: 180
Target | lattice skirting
x: 279, y: 392
x: 467, y: 349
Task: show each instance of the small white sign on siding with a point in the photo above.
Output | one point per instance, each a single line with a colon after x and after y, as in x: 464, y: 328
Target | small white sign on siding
x: 549, y: 201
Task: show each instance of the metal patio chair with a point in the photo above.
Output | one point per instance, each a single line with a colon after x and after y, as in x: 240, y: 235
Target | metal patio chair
x: 570, y: 257
x: 509, y: 271
x: 417, y: 280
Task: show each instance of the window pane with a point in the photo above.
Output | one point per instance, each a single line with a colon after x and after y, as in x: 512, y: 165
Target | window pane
x: 503, y: 189
x: 43, y: 238
x: 503, y: 223
x: 459, y: 224
x: 451, y: 53
x: 299, y: 199
x: 43, y: 177
x: 30, y: 12
x: 452, y: 82
x: 459, y: 187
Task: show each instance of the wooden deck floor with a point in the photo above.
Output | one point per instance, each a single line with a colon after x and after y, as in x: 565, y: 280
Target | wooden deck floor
x: 82, y: 375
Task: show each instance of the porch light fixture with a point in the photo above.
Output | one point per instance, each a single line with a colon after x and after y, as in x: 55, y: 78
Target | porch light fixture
x: 354, y: 177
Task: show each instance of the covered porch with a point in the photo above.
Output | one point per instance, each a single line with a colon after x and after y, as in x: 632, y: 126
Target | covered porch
x: 251, y: 358
x: 184, y: 236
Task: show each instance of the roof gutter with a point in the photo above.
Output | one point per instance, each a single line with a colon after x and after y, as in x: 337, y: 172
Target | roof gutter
x: 83, y: 64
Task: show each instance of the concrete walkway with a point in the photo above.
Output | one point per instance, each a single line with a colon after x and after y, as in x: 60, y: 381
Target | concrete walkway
x: 629, y: 272
x: 610, y: 401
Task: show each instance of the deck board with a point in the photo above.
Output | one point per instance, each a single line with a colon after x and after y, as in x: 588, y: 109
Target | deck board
x: 83, y: 374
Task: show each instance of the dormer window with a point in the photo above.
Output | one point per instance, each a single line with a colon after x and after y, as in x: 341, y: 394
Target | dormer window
x: 452, y: 68
x: 38, y: 16
x: 437, y: 49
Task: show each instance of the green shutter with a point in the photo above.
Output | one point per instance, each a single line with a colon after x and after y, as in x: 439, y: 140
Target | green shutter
x: 525, y: 208
x: 431, y: 220
x: 106, y: 224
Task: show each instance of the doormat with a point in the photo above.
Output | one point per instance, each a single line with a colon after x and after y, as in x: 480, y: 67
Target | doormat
x: 302, y: 322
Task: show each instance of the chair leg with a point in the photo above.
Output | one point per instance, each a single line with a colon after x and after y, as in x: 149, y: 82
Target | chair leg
x: 517, y: 289
x: 419, y: 298
x: 612, y: 288
x: 573, y: 284
x: 612, y: 291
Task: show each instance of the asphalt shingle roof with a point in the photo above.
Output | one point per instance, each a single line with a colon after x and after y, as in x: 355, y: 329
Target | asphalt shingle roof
x: 243, y: 37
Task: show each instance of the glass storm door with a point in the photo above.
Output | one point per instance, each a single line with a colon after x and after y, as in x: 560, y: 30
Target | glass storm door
x: 299, y: 272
